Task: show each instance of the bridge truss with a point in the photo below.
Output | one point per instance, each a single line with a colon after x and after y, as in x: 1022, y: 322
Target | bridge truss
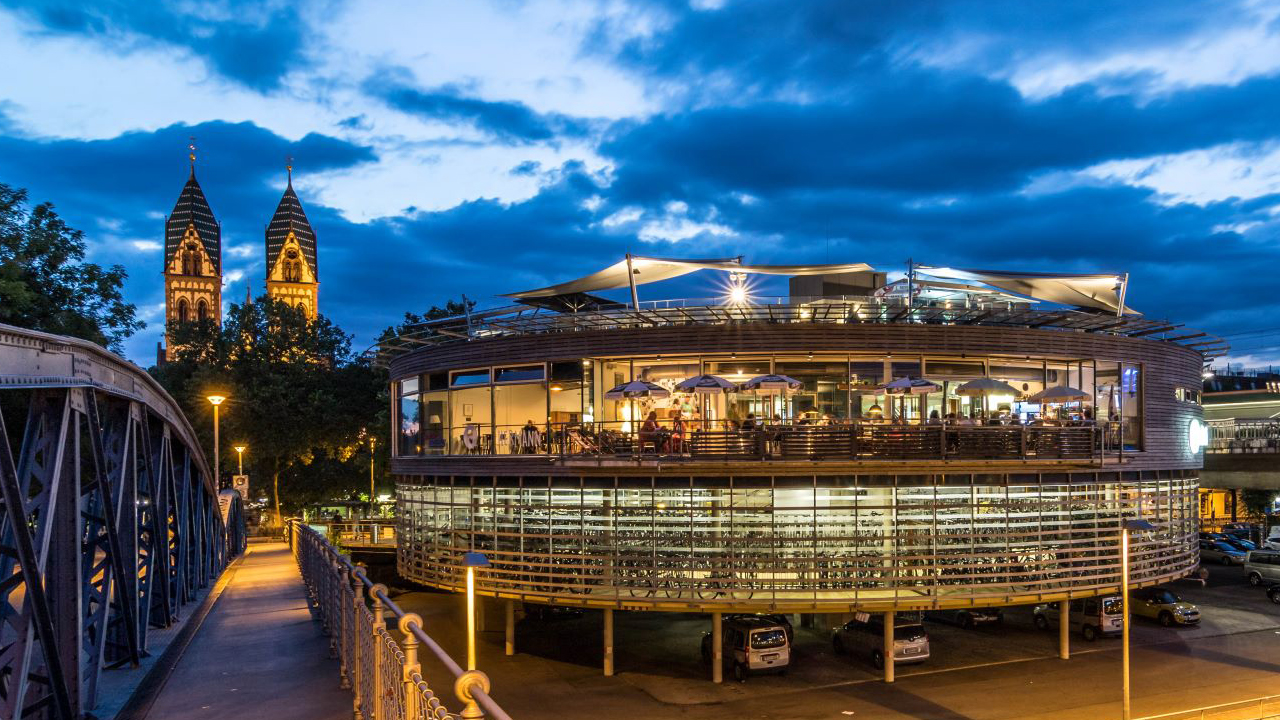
x: 110, y: 520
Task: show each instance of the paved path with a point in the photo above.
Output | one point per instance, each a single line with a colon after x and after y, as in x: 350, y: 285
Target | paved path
x: 259, y: 654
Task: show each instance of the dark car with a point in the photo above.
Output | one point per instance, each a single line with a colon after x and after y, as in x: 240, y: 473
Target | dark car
x: 968, y: 617
x: 1240, y: 544
x: 1273, y: 594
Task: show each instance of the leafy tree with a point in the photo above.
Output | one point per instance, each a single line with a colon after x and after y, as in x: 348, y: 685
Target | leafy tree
x: 452, y: 308
x: 297, y: 396
x: 1256, y: 502
x: 45, y: 283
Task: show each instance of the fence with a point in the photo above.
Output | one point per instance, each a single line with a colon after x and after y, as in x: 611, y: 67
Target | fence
x: 383, y: 674
x: 1263, y: 708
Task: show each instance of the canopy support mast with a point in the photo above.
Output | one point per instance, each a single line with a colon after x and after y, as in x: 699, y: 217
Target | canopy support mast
x: 1124, y: 287
x: 631, y: 280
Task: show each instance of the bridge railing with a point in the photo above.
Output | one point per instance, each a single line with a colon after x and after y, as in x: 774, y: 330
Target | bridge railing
x: 383, y: 673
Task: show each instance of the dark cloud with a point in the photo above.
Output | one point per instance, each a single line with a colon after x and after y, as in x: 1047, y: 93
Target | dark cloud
x: 507, y: 122
x: 254, y: 43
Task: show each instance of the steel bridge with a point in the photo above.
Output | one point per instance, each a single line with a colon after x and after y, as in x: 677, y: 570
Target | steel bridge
x: 110, y: 520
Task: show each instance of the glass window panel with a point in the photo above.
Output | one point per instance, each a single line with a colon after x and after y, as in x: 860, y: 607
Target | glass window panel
x: 517, y: 409
x: 824, y: 394
x: 410, y: 425
x: 470, y: 408
x: 1131, y: 406
x: 408, y: 386
x: 470, y: 377
x: 435, y: 413
x: 523, y: 373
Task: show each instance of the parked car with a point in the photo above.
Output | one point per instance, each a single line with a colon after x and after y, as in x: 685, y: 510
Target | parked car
x: 1220, y: 551
x: 752, y: 644
x: 1204, y: 535
x: 1273, y: 540
x: 968, y: 617
x: 1094, y: 616
x: 1164, y: 606
x: 1273, y: 594
x: 779, y: 619
x: 1239, y: 529
x: 865, y: 633
x: 1240, y: 544
x: 1262, y: 567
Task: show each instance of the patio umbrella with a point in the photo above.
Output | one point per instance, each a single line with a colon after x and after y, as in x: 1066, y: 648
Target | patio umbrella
x: 705, y: 385
x: 1059, y: 394
x: 770, y: 384
x: 982, y: 387
x: 908, y: 386
x: 634, y: 389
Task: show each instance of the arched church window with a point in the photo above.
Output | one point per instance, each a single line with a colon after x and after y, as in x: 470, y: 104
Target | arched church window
x: 184, y: 311
x: 202, y: 310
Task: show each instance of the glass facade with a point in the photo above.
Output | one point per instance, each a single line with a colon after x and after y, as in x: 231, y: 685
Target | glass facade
x: 548, y: 407
x: 800, y: 541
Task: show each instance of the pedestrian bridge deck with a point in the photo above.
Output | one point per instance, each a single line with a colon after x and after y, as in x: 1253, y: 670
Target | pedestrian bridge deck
x: 258, y: 653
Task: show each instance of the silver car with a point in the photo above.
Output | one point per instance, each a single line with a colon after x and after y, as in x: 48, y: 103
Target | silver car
x: 1221, y: 552
x: 866, y: 634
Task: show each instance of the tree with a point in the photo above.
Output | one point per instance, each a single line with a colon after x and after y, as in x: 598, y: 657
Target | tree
x: 45, y: 283
x: 1256, y: 502
x: 296, y: 395
x: 452, y: 308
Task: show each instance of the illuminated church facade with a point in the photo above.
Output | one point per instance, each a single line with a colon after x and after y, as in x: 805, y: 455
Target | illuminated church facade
x: 193, y: 269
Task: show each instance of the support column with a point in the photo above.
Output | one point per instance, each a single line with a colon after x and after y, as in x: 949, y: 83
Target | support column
x: 608, y: 642
x: 511, y: 627
x: 1064, y: 630
x: 888, y: 647
x: 717, y: 649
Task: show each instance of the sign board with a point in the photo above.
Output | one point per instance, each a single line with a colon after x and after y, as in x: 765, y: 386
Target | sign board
x: 240, y: 483
x: 862, y: 617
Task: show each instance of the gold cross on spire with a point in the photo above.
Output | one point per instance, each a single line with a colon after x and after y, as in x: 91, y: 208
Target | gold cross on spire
x: 191, y: 148
x: 288, y: 160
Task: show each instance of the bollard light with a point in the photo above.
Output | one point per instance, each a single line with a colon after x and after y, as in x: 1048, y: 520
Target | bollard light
x: 216, y: 400
x: 471, y: 561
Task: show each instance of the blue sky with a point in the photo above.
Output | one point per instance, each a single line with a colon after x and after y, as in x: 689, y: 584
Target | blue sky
x: 486, y: 147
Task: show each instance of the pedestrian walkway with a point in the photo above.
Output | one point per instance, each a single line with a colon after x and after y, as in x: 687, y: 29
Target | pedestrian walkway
x: 259, y: 654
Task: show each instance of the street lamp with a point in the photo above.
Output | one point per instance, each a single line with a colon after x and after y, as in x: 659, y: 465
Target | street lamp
x: 240, y: 457
x: 471, y: 561
x: 1128, y: 527
x: 372, y: 497
x: 216, y: 400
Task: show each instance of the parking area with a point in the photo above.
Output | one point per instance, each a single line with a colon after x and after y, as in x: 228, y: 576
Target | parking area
x: 658, y: 658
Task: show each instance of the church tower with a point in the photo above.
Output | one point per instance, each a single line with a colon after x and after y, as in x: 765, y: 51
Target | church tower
x: 292, y: 273
x: 192, y: 260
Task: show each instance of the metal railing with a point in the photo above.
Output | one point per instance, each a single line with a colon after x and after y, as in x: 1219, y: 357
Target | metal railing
x: 360, y: 533
x: 1243, y: 436
x: 1263, y: 708
x: 858, y: 441
x: 384, y: 675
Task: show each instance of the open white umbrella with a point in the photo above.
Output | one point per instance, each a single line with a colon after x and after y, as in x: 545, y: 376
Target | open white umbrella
x: 635, y: 389
x: 706, y: 385
x: 1059, y: 394
x: 986, y: 386
x: 770, y: 383
x: 909, y: 386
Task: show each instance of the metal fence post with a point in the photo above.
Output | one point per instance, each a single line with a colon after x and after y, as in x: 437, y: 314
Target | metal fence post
x: 410, y: 666
x: 357, y: 674
x: 344, y: 610
x: 379, y: 624
x: 464, y: 687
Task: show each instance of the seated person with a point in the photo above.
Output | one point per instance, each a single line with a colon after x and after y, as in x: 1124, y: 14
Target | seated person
x: 675, y: 443
x: 649, y: 431
x: 934, y: 418
x: 750, y: 422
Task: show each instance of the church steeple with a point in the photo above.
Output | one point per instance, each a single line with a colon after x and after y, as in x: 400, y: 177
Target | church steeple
x: 192, y: 256
x: 293, y: 274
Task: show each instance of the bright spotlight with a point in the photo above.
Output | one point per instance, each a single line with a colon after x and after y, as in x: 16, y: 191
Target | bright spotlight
x: 737, y: 294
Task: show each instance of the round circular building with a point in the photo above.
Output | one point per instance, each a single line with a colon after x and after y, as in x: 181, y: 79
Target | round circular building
x: 928, y: 444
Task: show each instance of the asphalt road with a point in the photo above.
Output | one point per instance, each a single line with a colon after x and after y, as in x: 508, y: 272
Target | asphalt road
x: 1008, y: 671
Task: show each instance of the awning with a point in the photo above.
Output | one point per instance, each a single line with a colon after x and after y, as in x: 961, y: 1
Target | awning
x: 1101, y: 292
x: 649, y: 270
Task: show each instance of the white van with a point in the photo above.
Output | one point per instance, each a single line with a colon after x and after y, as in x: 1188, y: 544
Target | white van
x: 1092, y: 616
x: 1273, y: 540
x: 752, y: 644
x: 1262, y: 567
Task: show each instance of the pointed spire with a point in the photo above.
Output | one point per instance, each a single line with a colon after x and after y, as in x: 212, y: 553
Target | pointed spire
x: 248, y: 289
x: 191, y: 153
x: 289, y: 168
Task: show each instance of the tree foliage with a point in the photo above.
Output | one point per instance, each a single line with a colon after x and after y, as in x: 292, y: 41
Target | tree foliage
x: 297, y: 396
x: 46, y: 285
x: 1256, y: 502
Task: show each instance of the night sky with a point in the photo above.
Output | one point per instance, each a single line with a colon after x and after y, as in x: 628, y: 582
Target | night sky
x: 488, y: 147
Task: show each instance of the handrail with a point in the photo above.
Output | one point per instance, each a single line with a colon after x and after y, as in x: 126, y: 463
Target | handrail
x: 337, y: 587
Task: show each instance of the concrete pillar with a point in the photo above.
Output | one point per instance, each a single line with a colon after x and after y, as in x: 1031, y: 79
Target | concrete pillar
x: 608, y: 642
x: 717, y: 649
x: 511, y: 627
x: 888, y: 647
x: 1064, y: 630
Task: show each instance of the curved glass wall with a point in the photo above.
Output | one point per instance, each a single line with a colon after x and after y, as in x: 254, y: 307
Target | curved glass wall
x: 563, y: 408
x: 794, y: 542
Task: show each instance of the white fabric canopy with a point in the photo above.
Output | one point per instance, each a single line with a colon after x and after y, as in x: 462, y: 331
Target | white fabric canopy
x: 1093, y: 291
x: 648, y: 270
x: 984, y: 386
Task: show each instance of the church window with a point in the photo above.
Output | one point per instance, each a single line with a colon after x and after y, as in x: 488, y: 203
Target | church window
x: 191, y: 264
x: 202, y: 310
x: 184, y: 312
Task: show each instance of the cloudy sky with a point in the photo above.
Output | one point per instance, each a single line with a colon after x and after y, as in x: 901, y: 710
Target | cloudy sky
x: 484, y: 147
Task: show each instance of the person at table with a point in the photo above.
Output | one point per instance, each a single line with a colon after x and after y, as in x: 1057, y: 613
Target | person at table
x: 649, y: 431
x: 934, y: 418
x: 749, y: 423
x: 675, y: 443
x: 530, y: 438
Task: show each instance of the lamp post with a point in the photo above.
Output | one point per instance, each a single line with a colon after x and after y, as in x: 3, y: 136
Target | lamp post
x: 472, y: 560
x: 372, y: 498
x: 240, y: 458
x: 1128, y: 527
x: 216, y: 400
